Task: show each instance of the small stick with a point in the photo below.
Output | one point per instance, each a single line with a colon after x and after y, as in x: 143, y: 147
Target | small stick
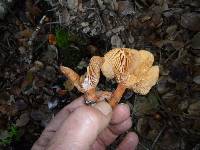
x: 146, y: 148
x: 158, y: 136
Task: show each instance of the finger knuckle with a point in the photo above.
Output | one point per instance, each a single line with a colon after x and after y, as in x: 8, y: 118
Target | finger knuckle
x: 90, y: 114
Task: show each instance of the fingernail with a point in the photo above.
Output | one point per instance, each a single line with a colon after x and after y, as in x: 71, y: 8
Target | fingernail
x: 124, y: 105
x: 104, y: 107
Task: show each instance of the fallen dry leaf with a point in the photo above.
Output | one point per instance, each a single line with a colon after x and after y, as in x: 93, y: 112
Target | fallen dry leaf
x: 52, y: 39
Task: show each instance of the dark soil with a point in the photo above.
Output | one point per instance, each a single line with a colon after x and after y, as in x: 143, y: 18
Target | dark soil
x: 31, y: 85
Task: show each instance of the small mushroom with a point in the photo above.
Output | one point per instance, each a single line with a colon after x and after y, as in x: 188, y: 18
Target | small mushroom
x: 132, y: 69
x: 86, y: 83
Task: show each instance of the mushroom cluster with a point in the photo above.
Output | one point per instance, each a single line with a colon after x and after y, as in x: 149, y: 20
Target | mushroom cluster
x: 131, y: 68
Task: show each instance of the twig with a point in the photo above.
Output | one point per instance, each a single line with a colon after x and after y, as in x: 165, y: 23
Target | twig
x: 40, y: 45
x: 157, y: 138
x: 49, y: 23
x: 160, y: 58
x: 171, y: 56
x: 146, y: 148
x: 34, y: 34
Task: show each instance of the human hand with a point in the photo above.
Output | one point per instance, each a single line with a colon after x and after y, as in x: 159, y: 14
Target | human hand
x: 78, y: 126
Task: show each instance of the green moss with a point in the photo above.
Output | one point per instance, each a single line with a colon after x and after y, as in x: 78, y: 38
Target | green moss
x: 71, y: 46
x: 12, y: 135
x: 62, y: 38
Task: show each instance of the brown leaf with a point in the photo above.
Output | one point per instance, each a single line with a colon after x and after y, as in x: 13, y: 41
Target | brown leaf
x: 191, y: 21
x: 194, y: 109
x: 8, y: 110
x: 23, y: 120
x: 52, y: 39
x: 32, y: 10
x: 176, y: 44
x: 27, y: 33
x: 125, y: 8
x: 92, y: 50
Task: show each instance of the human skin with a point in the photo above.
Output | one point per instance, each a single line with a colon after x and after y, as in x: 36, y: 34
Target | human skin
x: 78, y: 126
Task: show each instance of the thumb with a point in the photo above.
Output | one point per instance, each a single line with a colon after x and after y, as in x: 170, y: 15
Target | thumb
x: 82, y: 127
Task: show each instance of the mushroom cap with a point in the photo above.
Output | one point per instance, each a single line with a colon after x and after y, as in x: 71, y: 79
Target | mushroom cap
x: 119, y: 63
x: 144, y: 62
x: 145, y: 82
x: 107, y: 70
x: 132, y: 68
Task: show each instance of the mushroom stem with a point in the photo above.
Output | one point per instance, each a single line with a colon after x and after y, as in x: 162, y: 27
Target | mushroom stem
x: 90, y: 96
x: 117, y: 95
x: 72, y: 76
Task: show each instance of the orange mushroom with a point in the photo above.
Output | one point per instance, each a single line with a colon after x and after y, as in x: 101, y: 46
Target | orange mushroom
x: 132, y: 69
x: 86, y: 83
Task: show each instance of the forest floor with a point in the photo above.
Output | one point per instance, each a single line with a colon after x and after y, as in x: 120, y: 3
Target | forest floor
x: 37, y: 36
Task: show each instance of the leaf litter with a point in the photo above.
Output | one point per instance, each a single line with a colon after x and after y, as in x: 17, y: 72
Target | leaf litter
x: 38, y: 36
